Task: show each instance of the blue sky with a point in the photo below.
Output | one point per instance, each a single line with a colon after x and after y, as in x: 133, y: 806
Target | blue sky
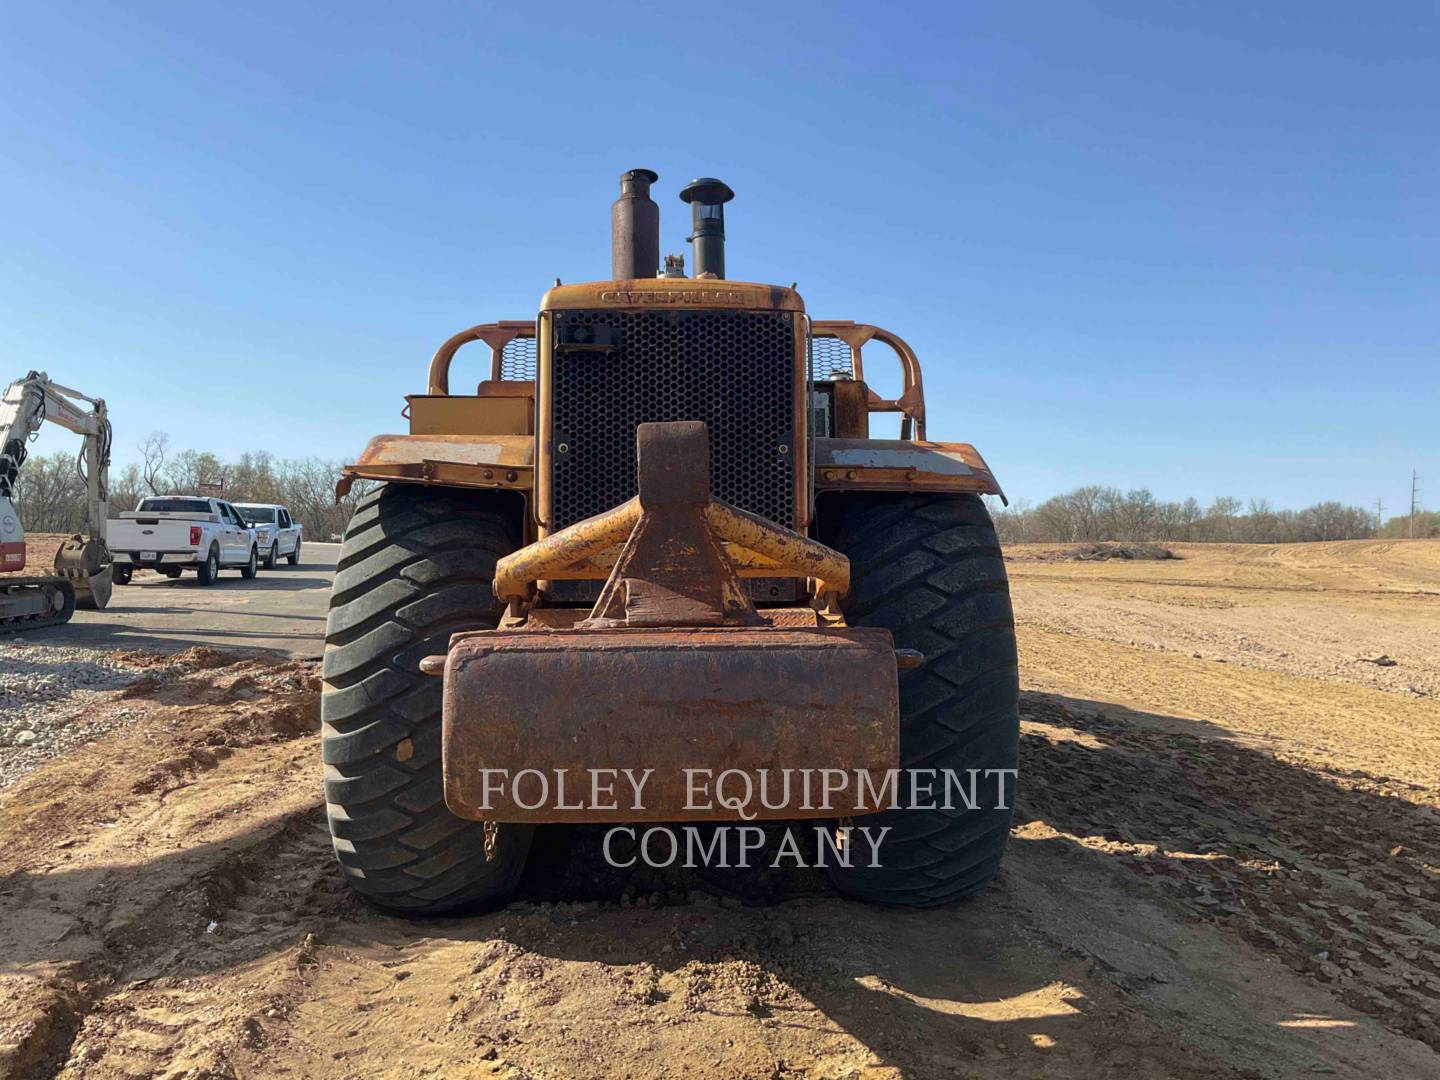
x: 1189, y: 247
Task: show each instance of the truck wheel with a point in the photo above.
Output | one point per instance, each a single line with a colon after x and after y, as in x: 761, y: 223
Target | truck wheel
x: 121, y: 574
x: 294, y: 556
x: 928, y: 569
x: 416, y: 565
x: 251, y: 568
x: 170, y: 571
x: 272, y: 557
x: 209, y: 570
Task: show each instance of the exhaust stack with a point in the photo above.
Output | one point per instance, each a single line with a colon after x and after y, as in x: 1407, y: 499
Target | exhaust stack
x: 635, y: 228
x: 707, y: 198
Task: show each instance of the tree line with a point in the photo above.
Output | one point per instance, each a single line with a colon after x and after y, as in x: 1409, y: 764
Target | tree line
x: 1094, y: 512
x: 50, y: 497
x: 50, y: 494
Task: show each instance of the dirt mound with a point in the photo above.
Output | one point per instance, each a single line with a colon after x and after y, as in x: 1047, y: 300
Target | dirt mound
x: 202, y: 658
x: 1090, y: 552
x: 194, y: 658
x: 1103, y: 552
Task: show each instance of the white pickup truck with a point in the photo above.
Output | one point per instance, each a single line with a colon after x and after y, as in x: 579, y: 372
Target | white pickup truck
x: 277, y: 533
x: 171, y: 533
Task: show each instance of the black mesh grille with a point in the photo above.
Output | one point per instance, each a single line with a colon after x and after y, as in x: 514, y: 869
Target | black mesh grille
x: 517, y: 359
x: 731, y: 369
x: 829, y: 356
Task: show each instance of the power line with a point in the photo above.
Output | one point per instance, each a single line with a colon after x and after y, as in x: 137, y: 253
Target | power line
x: 1414, y: 492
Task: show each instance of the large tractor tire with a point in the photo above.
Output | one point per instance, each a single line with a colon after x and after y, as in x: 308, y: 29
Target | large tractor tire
x: 416, y: 565
x: 928, y: 569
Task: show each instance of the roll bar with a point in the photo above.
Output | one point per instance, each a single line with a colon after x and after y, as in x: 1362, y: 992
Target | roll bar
x: 911, y: 402
x: 497, y: 335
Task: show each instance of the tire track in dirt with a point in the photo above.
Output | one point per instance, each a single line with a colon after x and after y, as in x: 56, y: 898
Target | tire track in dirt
x: 160, y: 1017
x: 1341, y: 623
x: 1328, y: 723
x: 1330, y: 872
x: 119, y: 857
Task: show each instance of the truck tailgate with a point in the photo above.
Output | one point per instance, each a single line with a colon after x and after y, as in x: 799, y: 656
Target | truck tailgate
x: 149, y: 534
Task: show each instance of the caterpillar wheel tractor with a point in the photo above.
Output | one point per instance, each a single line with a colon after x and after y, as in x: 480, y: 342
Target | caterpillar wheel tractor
x: 82, y: 568
x: 658, y: 545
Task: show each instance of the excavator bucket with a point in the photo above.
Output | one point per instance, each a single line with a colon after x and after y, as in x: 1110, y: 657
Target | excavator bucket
x: 86, y: 565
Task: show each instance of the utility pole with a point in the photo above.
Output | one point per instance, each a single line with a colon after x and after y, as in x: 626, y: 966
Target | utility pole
x: 1379, y: 515
x: 1414, y: 491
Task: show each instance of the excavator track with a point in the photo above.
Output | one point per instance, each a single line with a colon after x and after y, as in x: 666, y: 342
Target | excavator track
x: 35, y: 602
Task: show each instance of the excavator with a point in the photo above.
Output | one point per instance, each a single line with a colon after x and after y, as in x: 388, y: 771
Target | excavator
x: 82, y: 576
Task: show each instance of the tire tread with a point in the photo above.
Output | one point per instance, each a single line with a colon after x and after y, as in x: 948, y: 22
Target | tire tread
x: 928, y: 568
x: 415, y: 565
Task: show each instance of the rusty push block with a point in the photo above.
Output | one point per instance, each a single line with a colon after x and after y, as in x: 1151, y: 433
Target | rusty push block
x: 673, y: 671
x: 759, y: 700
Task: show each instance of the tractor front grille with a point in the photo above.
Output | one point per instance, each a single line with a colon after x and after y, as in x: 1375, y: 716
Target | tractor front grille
x: 614, y: 370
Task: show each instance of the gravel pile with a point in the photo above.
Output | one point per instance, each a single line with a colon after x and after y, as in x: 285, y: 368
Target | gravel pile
x: 46, y: 698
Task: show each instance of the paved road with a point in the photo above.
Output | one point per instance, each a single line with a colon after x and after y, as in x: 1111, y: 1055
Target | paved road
x: 281, y: 610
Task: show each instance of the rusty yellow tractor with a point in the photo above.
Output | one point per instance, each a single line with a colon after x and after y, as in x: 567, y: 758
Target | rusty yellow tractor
x: 654, y: 556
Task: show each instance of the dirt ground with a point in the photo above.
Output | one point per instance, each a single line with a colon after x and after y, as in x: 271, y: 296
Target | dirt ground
x: 1226, y: 863
x: 40, y: 549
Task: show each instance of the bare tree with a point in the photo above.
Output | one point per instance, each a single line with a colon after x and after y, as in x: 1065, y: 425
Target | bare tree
x: 1103, y: 513
x: 153, y: 451
x: 1335, y: 521
x: 127, y: 488
x: 309, y: 486
x: 1190, y: 518
x: 1012, y: 523
x: 190, y: 469
x: 49, y: 494
x: 1139, y: 514
x: 254, y: 478
x: 1261, y: 525
x: 1426, y: 524
x: 1220, y: 518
